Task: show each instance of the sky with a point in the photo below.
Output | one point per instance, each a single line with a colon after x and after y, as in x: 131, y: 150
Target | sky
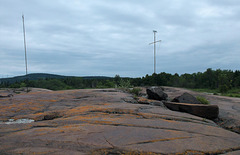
x: 109, y: 37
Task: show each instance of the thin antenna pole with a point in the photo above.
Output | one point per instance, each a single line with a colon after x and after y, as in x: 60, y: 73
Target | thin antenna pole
x: 25, y: 47
x: 154, y: 42
x: 154, y: 50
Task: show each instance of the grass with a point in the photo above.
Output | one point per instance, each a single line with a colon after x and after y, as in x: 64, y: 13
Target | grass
x: 230, y: 93
x: 213, y: 91
x: 233, y: 93
x: 202, y: 100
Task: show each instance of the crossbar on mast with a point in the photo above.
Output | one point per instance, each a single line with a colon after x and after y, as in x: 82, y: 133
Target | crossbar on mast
x: 154, y: 43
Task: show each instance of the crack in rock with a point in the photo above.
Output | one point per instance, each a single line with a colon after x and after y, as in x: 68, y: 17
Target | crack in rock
x: 159, y: 140
x: 149, y: 127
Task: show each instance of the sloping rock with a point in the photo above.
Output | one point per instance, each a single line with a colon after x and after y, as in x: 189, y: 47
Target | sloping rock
x: 201, y: 110
x: 103, y: 123
x: 156, y: 93
x: 186, y: 98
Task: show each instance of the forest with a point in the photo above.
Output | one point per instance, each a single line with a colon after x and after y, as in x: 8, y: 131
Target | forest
x: 221, y: 81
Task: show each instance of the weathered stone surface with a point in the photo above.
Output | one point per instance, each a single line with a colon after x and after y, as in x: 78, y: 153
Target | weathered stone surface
x: 142, y: 100
x: 156, y: 93
x: 101, y: 122
x: 186, y: 98
x: 229, y: 107
x: 205, y: 111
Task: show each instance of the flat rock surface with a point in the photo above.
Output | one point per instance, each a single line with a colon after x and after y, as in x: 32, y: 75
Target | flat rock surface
x: 100, y: 121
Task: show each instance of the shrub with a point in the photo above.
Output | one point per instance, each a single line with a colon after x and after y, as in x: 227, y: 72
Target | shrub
x: 135, y: 91
x: 223, y: 88
x: 124, y: 83
x: 202, y: 100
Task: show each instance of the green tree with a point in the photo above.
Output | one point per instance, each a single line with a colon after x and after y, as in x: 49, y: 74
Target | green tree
x: 117, y: 79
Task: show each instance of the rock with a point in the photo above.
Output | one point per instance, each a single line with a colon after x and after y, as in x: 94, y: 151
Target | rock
x: 103, y: 123
x: 9, y: 95
x: 229, y: 107
x: 201, y: 110
x: 142, y: 100
x: 186, y: 98
x: 133, y: 101
x: 156, y: 93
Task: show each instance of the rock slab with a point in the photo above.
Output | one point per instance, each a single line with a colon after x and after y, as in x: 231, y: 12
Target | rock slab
x: 201, y: 110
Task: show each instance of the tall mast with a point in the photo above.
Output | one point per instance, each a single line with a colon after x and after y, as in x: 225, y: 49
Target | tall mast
x: 25, y: 47
x: 154, y: 43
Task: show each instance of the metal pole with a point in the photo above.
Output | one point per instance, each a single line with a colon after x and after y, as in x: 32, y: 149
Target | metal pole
x: 154, y: 42
x: 154, y: 50
x: 25, y: 48
x: 24, y: 44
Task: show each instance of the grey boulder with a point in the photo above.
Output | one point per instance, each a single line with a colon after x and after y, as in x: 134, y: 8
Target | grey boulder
x: 186, y: 98
x: 156, y: 93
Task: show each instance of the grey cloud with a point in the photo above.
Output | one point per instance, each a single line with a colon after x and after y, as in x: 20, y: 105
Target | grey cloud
x: 111, y: 37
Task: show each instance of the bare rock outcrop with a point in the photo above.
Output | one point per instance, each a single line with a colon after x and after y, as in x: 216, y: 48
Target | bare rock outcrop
x: 142, y: 100
x: 100, y: 122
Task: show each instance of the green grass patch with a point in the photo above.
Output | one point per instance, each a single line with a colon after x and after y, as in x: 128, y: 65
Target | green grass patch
x: 202, y: 100
x: 213, y: 91
x: 230, y: 93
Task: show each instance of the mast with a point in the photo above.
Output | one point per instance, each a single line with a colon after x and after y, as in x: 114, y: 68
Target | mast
x: 25, y: 47
x: 154, y: 43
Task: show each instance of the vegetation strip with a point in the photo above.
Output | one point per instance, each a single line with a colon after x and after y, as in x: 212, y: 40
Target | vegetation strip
x: 223, y: 82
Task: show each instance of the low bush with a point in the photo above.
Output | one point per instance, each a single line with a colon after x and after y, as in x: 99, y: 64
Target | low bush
x: 135, y: 91
x: 125, y: 84
x: 223, y: 88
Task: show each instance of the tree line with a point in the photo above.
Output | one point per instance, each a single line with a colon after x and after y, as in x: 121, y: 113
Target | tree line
x: 223, y: 80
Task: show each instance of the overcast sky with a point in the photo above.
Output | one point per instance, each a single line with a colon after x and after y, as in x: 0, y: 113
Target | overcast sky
x: 109, y: 37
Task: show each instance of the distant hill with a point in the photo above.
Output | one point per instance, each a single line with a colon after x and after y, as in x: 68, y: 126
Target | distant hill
x: 37, y: 76
x: 33, y: 76
x: 96, y: 77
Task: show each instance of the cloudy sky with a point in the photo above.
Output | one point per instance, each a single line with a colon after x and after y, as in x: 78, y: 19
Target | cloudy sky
x: 109, y: 37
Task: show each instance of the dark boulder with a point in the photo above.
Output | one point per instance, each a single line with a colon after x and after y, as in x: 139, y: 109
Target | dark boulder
x: 156, y: 93
x: 186, y: 98
x: 9, y: 95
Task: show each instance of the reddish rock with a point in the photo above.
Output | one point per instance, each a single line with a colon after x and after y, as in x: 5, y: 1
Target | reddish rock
x: 101, y: 122
x: 229, y: 107
x: 201, y: 110
x: 142, y: 100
